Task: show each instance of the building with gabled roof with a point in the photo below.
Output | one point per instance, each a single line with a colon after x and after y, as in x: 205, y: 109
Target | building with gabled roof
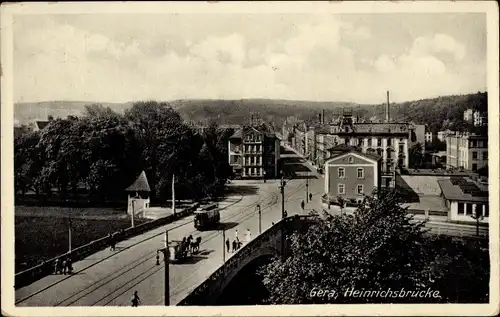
x: 350, y: 174
x: 254, y: 152
x: 139, y: 202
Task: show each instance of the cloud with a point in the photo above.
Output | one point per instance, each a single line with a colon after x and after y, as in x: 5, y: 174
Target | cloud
x: 438, y: 43
x: 321, y: 58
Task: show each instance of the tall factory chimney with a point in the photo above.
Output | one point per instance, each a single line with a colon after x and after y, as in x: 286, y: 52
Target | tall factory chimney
x: 323, y: 116
x: 387, y: 113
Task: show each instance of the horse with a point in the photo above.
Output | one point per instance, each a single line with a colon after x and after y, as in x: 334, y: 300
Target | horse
x: 195, y: 246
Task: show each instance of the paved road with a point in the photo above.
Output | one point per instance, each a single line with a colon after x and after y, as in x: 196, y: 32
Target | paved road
x: 109, y: 278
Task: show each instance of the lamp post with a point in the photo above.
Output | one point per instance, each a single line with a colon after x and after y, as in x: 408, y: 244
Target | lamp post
x: 260, y: 218
x: 166, y: 255
x: 132, y: 216
x: 478, y: 217
x: 282, y: 189
x: 69, y: 234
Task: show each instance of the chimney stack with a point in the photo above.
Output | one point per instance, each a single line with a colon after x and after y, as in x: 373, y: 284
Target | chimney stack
x: 387, y: 113
x: 323, y: 116
x: 319, y: 118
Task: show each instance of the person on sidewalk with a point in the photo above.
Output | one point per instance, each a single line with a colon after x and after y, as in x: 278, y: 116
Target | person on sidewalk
x: 228, y: 245
x: 310, y: 196
x: 135, y: 300
x: 248, y: 236
x: 235, y: 245
x: 302, y: 204
x: 236, y: 235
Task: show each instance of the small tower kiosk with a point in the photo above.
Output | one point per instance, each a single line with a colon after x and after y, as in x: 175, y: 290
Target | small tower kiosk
x: 138, y: 195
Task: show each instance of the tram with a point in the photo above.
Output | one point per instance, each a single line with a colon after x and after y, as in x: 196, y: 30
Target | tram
x: 206, y: 217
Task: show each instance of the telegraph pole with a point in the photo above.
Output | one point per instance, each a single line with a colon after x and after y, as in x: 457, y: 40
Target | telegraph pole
x: 282, y: 189
x: 69, y: 233
x: 307, y: 187
x: 133, y: 212
x: 223, y: 246
x: 166, y: 255
x: 260, y: 219
x: 173, y: 194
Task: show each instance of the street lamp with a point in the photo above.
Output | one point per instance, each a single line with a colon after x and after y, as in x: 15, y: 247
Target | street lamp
x: 478, y: 218
x: 283, y: 216
x: 166, y: 257
x: 260, y: 218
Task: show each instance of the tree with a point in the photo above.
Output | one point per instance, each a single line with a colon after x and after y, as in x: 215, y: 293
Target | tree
x: 376, y: 248
x: 416, y: 156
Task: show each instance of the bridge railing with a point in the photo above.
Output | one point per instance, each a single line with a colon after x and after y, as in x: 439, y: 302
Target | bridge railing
x: 47, y: 267
x: 206, y: 287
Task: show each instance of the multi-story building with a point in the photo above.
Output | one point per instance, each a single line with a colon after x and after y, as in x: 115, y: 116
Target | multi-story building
x: 467, y: 151
x: 477, y: 117
x: 350, y: 174
x: 428, y: 136
x: 254, y: 152
x: 468, y: 115
x: 480, y: 118
x: 441, y: 135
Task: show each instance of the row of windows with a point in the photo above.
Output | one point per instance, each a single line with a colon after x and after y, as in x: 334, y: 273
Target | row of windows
x: 360, y: 172
x: 252, y: 160
x: 341, y: 189
x: 252, y: 171
x: 253, y: 137
x: 466, y: 209
x: 474, y: 155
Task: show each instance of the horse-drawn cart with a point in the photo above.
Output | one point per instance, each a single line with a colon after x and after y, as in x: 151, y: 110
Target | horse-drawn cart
x: 178, y: 250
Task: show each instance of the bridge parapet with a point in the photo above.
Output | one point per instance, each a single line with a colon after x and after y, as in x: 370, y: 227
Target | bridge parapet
x: 266, y: 244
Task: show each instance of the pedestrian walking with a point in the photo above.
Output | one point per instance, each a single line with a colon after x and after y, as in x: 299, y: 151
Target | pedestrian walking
x: 302, y: 204
x: 235, y: 245
x: 248, y: 236
x: 113, y: 242
x: 64, y: 266
x: 56, y: 266
x: 110, y: 242
x: 228, y: 245
x: 135, y: 300
x: 69, y: 265
x: 310, y: 196
x: 236, y: 235
x: 285, y: 214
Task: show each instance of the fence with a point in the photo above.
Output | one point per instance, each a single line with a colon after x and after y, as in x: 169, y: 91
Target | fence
x: 46, y: 268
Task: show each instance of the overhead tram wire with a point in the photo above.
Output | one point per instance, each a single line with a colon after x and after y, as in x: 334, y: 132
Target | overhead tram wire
x: 152, y: 254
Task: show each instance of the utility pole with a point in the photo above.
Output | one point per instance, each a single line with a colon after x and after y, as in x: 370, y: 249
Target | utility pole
x: 223, y: 246
x: 260, y: 219
x: 69, y: 233
x: 173, y: 194
x: 132, y: 216
x: 166, y: 255
x: 307, y: 187
x: 282, y: 189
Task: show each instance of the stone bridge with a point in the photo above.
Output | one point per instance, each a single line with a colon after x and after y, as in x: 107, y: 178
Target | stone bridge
x: 267, y: 244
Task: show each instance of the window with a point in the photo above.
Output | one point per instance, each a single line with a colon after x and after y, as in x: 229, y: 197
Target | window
x: 359, y: 189
x: 401, y: 149
x: 474, y: 167
x: 474, y: 155
x: 351, y: 159
x: 485, y: 156
x: 341, y: 172
x: 361, y: 173
x: 486, y: 211
x: 341, y: 188
x: 460, y: 210
x: 468, y: 209
x: 379, y: 142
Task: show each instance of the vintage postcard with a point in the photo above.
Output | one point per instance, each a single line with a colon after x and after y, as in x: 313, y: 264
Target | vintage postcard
x: 254, y: 158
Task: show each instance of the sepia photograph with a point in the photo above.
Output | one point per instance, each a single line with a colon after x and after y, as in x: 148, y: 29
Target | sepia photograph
x: 292, y: 158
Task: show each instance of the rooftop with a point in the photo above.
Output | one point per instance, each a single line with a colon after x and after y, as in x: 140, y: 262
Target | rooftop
x: 140, y: 184
x: 462, y: 189
x: 343, y: 148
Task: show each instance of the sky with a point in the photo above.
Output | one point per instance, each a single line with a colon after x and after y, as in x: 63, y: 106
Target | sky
x: 317, y: 57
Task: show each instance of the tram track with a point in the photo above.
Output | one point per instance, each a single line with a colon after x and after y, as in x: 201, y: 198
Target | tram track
x: 265, y: 204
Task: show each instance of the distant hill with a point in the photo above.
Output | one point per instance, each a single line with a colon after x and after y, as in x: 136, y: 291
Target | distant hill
x: 439, y: 113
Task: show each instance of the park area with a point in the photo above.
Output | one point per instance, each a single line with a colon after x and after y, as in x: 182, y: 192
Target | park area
x: 41, y: 233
